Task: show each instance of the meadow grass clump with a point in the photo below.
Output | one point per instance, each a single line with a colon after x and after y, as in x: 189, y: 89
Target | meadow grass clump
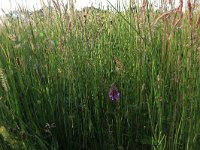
x: 100, y: 80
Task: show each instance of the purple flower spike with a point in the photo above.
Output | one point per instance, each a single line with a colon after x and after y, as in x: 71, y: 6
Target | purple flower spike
x: 113, y: 93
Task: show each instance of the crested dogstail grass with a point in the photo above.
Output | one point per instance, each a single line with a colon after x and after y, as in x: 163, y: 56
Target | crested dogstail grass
x: 59, y: 67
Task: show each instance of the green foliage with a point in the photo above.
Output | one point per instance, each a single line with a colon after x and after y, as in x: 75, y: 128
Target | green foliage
x: 56, y: 71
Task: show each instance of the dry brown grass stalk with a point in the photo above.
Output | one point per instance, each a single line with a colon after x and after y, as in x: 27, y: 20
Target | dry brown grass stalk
x: 144, y: 3
x: 177, y: 11
x: 198, y: 21
x: 180, y: 5
x: 189, y: 11
x: 179, y: 20
x: 163, y: 16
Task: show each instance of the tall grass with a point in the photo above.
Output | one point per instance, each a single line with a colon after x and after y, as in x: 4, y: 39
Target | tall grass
x: 56, y: 72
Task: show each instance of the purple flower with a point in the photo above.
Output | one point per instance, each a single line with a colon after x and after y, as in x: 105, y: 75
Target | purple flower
x: 113, y: 93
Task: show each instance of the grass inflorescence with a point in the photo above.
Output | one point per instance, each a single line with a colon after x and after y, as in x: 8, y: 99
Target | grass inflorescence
x: 101, y: 80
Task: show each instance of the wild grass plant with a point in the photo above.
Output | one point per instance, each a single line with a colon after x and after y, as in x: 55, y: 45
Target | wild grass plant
x: 56, y: 73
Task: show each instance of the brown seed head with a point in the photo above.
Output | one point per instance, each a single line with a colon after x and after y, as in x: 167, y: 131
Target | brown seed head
x: 189, y: 11
x: 198, y: 21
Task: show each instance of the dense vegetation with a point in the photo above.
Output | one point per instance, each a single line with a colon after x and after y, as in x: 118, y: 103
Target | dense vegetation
x: 56, y: 72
